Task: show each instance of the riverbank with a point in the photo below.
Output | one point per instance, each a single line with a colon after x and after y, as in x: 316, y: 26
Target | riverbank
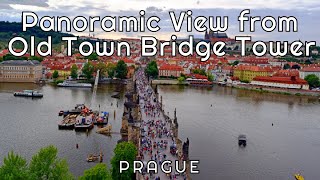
x: 167, y: 82
x: 214, y: 117
x: 262, y: 89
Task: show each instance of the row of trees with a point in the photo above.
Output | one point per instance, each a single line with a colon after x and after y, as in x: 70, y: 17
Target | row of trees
x: 153, y: 72
x: 312, y: 80
x: 43, y: 165
x: 12, y: 57
x: 119, y: 70
x: 46, y: 165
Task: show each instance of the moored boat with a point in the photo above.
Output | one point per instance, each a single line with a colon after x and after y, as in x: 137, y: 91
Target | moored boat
x: 199, y: 82
x: 242, y: 140
x: 75, y: 84
x: 83, y: 127
x: 93, y: 158
x: 28, y: 93
x: 102, y: 118
x: 84, y: 121
x: 68, y: 122
x: 77, y: 110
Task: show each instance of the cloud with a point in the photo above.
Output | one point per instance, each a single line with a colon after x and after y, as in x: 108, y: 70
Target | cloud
x: 306, y: 12
x: 5, y: 4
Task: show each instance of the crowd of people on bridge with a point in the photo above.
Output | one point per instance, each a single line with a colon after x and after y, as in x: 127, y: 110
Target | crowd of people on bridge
x: 155, y: 129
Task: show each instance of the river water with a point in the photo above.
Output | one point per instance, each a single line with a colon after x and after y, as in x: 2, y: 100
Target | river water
x: 291, y: 145
x: 30, y: 124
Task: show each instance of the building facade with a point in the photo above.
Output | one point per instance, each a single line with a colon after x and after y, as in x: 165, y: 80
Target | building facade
x: 20, y: 71
x: 309, y: 70
x: 293, y: 82
x: 247, y: 73
x: 170, y: 71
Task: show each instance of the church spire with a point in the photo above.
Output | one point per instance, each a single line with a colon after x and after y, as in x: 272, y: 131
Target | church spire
x: 206, y: 35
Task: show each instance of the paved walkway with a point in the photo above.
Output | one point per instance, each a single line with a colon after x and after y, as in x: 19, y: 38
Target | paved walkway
x: 157, y: 133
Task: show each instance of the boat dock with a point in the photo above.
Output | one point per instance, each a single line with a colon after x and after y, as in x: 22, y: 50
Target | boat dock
x: 81, y: 118
x: 68, y: 122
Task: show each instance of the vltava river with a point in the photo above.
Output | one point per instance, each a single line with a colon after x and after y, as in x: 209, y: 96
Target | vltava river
x: 291, y: 145
x: 30, y: 124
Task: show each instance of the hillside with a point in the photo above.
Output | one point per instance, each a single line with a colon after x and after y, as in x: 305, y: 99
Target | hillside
x: 8, y: 30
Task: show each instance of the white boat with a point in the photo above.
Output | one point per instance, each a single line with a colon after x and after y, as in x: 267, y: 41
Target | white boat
x: 75, y: 84
x: 28, y: 93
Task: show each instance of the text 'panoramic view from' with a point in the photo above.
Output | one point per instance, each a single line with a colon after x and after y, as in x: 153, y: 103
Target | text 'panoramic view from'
x: 159, y: 90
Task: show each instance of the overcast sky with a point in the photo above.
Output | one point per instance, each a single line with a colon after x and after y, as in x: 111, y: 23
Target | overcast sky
x: 307, y: 12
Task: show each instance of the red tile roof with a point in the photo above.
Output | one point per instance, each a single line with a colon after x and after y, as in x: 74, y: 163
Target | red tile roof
x: 286, y: 73
x: 171, y: 67
x: 253, y: 68
x: 311, y: 69
x: 198, y: 76
x: 285, y: 80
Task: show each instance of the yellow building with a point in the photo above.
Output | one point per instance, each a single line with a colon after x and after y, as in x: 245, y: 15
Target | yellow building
x: 20, y: 71
x: 247, y: 72
x: 62, y: 73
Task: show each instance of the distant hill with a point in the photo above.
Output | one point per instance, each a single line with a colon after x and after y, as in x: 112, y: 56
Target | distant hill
x: 8, y: 30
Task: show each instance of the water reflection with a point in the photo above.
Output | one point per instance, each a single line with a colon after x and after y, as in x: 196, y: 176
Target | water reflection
x: 283, y: 132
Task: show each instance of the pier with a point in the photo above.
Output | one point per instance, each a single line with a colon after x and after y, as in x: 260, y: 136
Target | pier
x: 153, y: 132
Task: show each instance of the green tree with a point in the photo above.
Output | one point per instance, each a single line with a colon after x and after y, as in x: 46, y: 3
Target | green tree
x: 14, y: 168
x: 55, y: 74
x: 111, y: 68
x: 200, y: 71
x: 181, y: 79
x: 196, y: 71
x: 93, y: 56
x: 37, y: 58
x: 123, y: 151
x: 102, y: 67
x: 46, y: 165
x: 210, y: 77
x: 235, y: 63
x: 312, y: 80
x: 87, y: 70
x: 203, y: 72
x: 296, y: 66
x: 308, y: 62
x: 98, y: 172
x: 12, y: 57
x: 121, y: 70
x: 74, y: 71
x: 152, y: 69
x: 286, y: 66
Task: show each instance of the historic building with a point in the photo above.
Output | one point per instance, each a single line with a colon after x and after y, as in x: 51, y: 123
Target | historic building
x: 216, y: 36
x: 305, y: 71
x: 20, y: 71
x: 292, y: 82
x: 247, y: 72
x: 167, y: 70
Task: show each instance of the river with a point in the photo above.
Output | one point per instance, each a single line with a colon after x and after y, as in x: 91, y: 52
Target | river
x: 291, y: 145
x: 30, y: 124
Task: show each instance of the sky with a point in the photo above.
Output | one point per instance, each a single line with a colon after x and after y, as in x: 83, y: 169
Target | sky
x: 307, y: 13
